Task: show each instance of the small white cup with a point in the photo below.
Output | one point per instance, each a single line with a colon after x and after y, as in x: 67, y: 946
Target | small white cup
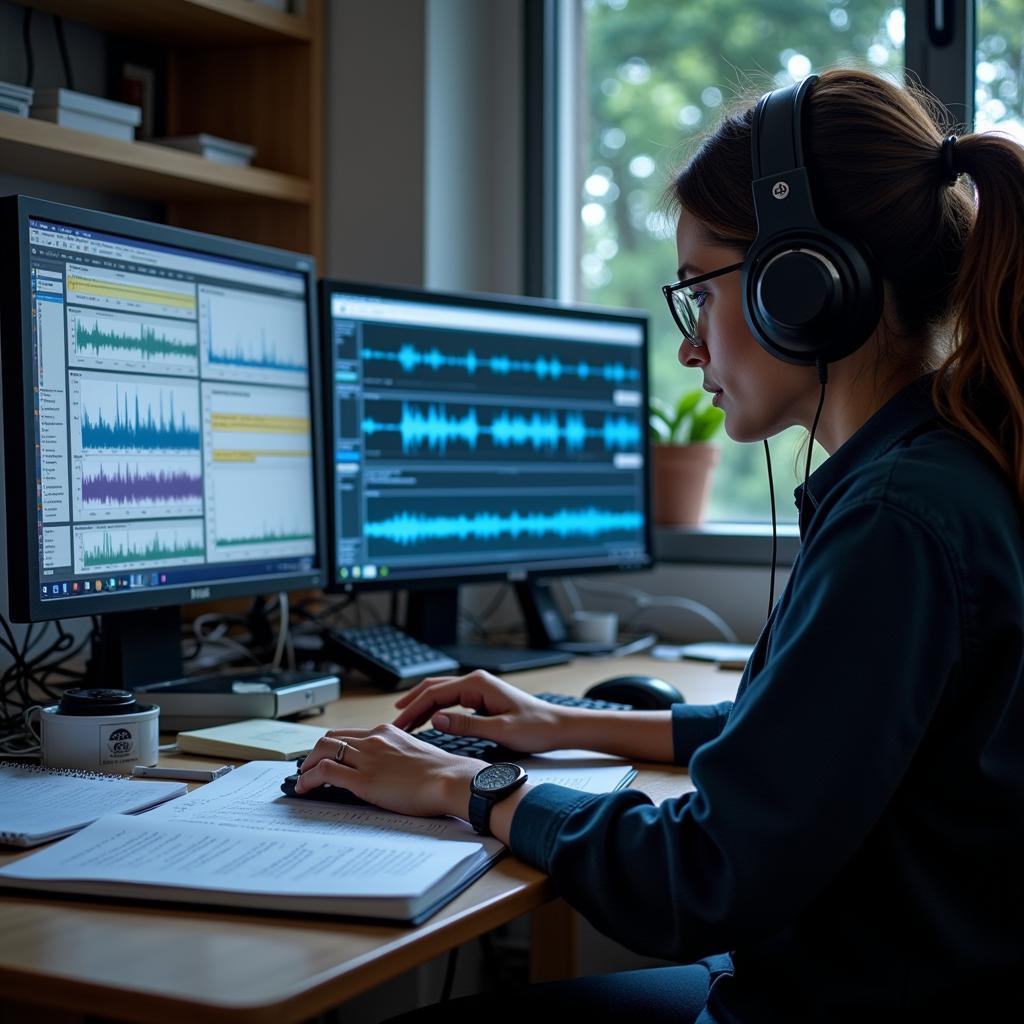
x: 95, y: 736
x: 594, y: 627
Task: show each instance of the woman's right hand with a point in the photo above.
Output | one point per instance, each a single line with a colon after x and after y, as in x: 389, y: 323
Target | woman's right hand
x: 504, y: 713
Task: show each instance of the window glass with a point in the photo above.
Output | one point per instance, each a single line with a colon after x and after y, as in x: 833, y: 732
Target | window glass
x: 998, y: 66
x: 658, y: 74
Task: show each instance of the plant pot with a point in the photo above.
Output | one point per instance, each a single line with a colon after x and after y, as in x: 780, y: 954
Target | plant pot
x: 682, y: 481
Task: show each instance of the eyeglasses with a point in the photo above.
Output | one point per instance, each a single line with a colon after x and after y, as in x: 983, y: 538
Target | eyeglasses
x: 685, y: 306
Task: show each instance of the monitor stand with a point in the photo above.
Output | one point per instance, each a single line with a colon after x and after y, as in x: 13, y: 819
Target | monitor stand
x: 432, y: 616
x: 137, y: 647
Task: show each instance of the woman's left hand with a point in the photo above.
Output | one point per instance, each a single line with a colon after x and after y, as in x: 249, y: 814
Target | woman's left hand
x: 390, y: 768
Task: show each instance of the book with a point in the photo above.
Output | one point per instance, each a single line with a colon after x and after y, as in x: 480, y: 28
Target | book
x: 39, y: 804
x: 252, y: 739
x: 239, y: 842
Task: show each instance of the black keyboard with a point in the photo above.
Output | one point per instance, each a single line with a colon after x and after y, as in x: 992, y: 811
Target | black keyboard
x: 393, y: 660
x: 494, y: 752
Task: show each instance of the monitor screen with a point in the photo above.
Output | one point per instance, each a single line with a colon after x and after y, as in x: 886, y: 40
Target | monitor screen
x: 171, y: 402
x: 483, y: 437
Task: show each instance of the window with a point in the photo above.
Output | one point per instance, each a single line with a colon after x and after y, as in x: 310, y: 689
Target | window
x: 656, y: 75
x: 998, y: 66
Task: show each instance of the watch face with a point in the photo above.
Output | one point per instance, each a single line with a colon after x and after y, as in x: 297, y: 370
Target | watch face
x: 497, y: 776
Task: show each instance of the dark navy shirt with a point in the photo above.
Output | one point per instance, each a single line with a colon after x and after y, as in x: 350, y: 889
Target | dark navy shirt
x: 856, y: 838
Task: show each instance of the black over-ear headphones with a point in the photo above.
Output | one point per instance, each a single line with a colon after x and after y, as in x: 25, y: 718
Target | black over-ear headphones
x: 810, y: 296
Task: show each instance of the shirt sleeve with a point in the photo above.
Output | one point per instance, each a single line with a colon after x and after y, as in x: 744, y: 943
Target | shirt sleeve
x: 812, y: 753
x: 693, y: 725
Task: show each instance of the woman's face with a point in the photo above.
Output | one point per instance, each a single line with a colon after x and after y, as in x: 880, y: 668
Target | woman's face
x: 760, y: 395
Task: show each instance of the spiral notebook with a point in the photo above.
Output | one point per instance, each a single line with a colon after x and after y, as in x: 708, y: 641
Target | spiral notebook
x: 39, y: 804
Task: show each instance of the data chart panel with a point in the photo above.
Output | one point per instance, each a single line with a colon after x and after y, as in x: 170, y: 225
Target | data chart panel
x: 251, y: 337
x: 258, y: 468
x: 128, y: 547
x: 129, y: 341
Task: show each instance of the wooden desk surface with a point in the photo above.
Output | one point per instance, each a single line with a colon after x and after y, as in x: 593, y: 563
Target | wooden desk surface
x: 161, y: 964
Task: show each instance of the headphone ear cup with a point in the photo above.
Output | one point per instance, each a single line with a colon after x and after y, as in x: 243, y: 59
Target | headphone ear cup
x: 810, y: 298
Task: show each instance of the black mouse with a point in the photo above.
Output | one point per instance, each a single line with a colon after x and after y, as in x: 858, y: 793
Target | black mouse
x: 645, y: 693
x: 333, y: 794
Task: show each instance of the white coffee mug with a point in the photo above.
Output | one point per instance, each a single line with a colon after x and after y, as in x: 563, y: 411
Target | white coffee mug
x: 97, y: 730
x: 594, y: 627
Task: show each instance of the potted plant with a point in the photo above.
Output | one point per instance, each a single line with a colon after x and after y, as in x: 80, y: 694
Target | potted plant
x: 683, y: 456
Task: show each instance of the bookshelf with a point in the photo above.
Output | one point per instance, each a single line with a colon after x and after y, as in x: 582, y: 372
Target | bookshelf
x: 233, y: 68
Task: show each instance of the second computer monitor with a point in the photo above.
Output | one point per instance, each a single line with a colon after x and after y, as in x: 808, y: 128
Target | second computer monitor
x: 482, y: 437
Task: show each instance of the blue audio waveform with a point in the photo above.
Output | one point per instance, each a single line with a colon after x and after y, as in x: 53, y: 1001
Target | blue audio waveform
x: 409, y: 358
x: 408, y: 529
x: 252, y: 355
x: 131, y: 429
x: 264, y: 359
x: 541, y: 430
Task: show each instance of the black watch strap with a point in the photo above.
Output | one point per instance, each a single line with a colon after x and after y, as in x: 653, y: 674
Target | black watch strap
x: 480, y: 813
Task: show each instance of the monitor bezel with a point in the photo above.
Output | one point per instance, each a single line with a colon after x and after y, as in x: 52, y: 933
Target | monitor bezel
x: 478, y: 300
x: 23, y: 566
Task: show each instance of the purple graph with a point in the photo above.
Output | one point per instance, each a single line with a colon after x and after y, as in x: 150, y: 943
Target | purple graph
x: 128, y: 485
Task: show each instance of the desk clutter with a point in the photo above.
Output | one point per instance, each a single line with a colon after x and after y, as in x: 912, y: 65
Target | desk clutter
x: 237, y: 842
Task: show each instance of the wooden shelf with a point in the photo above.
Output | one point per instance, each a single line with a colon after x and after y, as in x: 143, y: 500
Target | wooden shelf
x: 198, y: 21
x: 47, y: 151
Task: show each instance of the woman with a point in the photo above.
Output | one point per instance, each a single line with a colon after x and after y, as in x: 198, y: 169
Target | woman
x: 856, y: 837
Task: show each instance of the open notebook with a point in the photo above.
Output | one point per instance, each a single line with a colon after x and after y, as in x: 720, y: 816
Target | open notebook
x: 238, y: 842
x: 40, y: 804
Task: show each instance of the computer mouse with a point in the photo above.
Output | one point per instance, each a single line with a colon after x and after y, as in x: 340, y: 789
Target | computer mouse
x: 645, y: 693
x: 333, y: 794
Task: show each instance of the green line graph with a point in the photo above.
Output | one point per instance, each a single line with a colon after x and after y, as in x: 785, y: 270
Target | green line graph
x: 271, y: 537
x: 148, y: 345
x: 158, y: 548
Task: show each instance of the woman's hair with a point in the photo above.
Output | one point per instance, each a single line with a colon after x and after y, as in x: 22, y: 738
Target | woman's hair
x: 874, y: 156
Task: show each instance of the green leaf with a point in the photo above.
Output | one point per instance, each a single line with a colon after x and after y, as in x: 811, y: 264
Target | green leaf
x: 707, y: 423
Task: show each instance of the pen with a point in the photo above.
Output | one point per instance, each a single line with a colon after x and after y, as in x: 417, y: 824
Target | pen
x: 140, y: 771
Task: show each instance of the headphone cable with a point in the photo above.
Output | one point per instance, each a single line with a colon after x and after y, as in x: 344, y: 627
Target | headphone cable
x: 822, y: 380
x: 775, y: 531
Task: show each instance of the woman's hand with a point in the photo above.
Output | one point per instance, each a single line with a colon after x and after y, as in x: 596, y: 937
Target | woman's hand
x: 393, y: 770
x: 505, y: 714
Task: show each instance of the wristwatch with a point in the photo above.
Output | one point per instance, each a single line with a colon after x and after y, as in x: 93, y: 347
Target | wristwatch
x: 491, y: 784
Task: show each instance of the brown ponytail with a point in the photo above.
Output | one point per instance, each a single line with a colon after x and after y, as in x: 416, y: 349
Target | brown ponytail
x: 874, y: 153
x: 982, y: 384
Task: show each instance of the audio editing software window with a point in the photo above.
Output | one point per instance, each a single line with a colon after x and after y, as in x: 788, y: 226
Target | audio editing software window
x: 172, y: 401
x: 470, y: 439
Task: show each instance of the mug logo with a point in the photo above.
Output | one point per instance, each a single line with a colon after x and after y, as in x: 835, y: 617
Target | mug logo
x: 121, y: 742
x: 780, y: 190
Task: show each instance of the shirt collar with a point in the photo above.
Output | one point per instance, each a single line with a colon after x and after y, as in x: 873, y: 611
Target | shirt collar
x: 905, y: 413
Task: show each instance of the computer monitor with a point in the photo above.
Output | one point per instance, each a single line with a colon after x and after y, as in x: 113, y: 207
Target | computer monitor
x: 482, y: 437
x: 161, y: 424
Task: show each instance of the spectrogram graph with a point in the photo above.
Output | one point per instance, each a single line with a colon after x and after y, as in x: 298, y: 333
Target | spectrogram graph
x: 434, y: 427
x: 117, y: 341
x: 247, y: 336
x: 138, y: 546
x: 131, y: 414
x: 143, y: 488
x: 411, y: 358
x: 549, y: 523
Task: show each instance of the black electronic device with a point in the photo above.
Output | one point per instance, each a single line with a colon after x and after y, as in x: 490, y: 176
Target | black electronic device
x: 328, y: 793
x: 389, y: 657
x: 482, y: 437
x: 810, y: 295
x: 161, y: 424
x: 643, y: 693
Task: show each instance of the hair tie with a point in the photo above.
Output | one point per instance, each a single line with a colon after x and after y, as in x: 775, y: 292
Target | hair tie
x: 948, y: 160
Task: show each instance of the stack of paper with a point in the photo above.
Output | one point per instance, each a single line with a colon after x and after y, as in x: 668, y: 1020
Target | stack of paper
x: 15, y: 99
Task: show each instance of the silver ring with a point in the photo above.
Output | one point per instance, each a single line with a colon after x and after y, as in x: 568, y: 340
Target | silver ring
x: 340, y: 754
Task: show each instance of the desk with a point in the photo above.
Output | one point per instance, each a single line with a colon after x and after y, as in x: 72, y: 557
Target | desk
x: 159, y: 964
